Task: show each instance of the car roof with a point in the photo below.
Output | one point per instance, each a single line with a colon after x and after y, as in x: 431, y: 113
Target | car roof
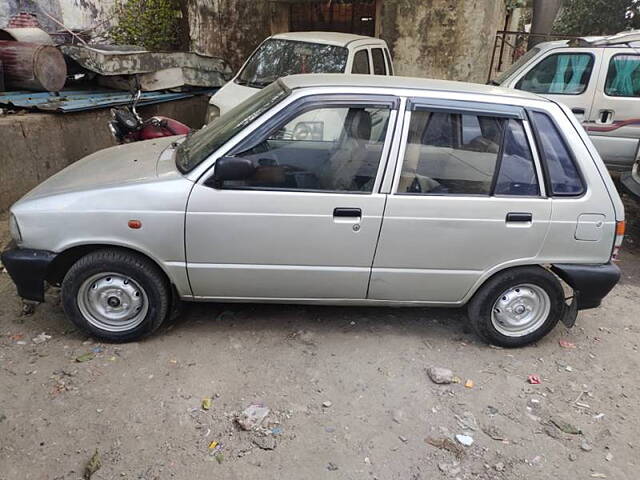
x: 329, y: 38
x: 411, y: 83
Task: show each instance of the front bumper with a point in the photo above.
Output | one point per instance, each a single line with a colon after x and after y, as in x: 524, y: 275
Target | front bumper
x: 630, y: 184
x: 28, y: 270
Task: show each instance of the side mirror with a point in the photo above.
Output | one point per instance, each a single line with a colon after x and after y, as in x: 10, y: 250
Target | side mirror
x: 233, y: 168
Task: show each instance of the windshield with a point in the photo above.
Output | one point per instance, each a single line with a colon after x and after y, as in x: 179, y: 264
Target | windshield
x: 278, y: 58
x: 516, y: 65
x: 207, y: 140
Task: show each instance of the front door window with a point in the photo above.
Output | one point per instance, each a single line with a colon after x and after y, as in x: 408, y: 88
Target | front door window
x: 335, y: 148
x: 559, y: 74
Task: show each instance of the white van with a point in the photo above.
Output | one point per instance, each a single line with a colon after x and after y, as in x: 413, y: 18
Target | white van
x: 302, y: 52
x: 598, y: 78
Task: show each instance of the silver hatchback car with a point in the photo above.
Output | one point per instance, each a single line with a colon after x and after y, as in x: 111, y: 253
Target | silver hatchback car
x: 335, y: 189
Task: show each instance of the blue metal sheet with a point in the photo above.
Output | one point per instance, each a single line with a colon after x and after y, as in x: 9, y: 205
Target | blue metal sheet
x: 78, y: 100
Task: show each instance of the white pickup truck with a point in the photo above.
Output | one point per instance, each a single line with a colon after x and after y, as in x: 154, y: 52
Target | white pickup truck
x: 302, y: 52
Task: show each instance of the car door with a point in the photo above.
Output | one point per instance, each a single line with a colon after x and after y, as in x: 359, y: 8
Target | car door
x: 467, y: 198
x: 565, y: 75
x: 305, y: 224
x: 614, y: 123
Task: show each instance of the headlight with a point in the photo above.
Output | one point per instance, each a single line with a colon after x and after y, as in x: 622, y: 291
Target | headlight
x: 213, y: 112
x: 14, y: 229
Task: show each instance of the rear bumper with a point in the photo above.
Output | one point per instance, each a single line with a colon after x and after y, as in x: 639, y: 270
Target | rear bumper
x: 630, y: 184
x: 28, y: 270
x: 591, y: 283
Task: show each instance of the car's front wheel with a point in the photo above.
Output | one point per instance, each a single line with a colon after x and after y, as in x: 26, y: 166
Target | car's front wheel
x: 115, y: 295
x: 517, y: 307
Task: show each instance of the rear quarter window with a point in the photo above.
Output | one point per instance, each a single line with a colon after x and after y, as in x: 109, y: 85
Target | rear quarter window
x: 563, y: 176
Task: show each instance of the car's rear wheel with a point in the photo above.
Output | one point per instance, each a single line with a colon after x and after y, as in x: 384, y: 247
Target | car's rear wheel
x: 115, y: 295
x: 517, y: 307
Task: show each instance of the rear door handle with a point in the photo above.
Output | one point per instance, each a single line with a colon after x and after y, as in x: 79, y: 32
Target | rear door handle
x: 578, y: 111
x: 519, y: 217
x: 347, y: 212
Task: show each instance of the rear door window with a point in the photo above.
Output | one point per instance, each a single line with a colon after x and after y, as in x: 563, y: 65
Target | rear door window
x: 361, y: 62
x: 559, y: 74
x: 623, y: 76
x: 466, y: 154
x: 564, y: 177
x: 379, y: 67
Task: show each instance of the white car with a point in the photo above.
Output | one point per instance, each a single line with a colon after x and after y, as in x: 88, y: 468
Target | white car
x: 598, y: 78
x: 302, y: 52
x: 402, y: 192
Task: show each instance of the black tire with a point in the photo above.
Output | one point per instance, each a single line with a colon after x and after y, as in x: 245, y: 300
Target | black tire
x: 481, y: 305
x: 130, y: 265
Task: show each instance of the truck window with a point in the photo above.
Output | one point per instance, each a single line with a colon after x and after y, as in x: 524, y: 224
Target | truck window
x: 559, y: 74
x: 563, y: 174
x: 361, y: 63
x: 378, y: 62
x: 623, y: 76
x: 389, y: 64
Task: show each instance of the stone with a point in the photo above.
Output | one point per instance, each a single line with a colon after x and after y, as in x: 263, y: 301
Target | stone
x: 252, y: 416
x: 440, y: 375
x: 327, y: 404
x: 332, y: 467
x: 499, y: 467
x: 465, y: 440
x: 397, y: 416
x: 585, y: 447
x: 264, y: 442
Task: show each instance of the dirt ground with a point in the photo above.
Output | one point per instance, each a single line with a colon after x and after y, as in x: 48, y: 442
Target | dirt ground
x: 140, y: 404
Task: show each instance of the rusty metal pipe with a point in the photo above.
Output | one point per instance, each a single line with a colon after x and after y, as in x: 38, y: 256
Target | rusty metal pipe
x: 32, y: 66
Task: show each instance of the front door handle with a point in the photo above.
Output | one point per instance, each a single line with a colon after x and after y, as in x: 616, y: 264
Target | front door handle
x: 519, y: 217
x: 347, y: 212
x: 578, y: 111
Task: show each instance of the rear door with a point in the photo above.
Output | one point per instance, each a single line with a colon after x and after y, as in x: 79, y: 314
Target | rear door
x: 614, y: 123
x: 467, y: 197
x: 566, y: 75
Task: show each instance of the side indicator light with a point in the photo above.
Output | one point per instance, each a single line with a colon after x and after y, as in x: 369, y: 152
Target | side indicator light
x: 135, y: 224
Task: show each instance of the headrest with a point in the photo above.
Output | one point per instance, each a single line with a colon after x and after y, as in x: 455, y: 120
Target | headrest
x: 360, y: 124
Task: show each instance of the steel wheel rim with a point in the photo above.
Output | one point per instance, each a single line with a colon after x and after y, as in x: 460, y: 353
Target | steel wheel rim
x: 112, y: 302
x: 520, y: 310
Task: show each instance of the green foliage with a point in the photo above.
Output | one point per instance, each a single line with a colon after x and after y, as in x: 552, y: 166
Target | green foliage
x: 153, y: 24
x: 594, y: 17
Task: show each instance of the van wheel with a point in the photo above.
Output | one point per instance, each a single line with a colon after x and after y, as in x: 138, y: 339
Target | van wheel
x: 517, y: 307
x: 115, y: 295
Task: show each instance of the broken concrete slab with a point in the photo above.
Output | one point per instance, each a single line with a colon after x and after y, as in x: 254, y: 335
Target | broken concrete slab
x: 154, y: 70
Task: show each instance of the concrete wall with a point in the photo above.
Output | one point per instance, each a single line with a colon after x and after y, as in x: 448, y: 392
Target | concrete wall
x: 230, y: 29
x: 36, y: 145
x: 75, y: 14
x: 447, y: 39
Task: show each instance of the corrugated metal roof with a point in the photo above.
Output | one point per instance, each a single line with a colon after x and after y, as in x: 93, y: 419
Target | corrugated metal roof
x: 78, y: 100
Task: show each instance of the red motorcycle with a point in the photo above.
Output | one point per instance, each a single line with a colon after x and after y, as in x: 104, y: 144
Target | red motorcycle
x: 127, y: 126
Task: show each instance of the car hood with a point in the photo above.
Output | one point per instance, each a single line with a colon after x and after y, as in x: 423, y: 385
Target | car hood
x: 124, y: 164
x: 231, y: 95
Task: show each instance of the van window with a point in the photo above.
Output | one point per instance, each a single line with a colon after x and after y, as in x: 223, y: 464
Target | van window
x: 378, y: 62
x: 458, y: 154
x: 623, y: 76
x: 563, y: 174
x: 559, y: 74
x: 361, y: 62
